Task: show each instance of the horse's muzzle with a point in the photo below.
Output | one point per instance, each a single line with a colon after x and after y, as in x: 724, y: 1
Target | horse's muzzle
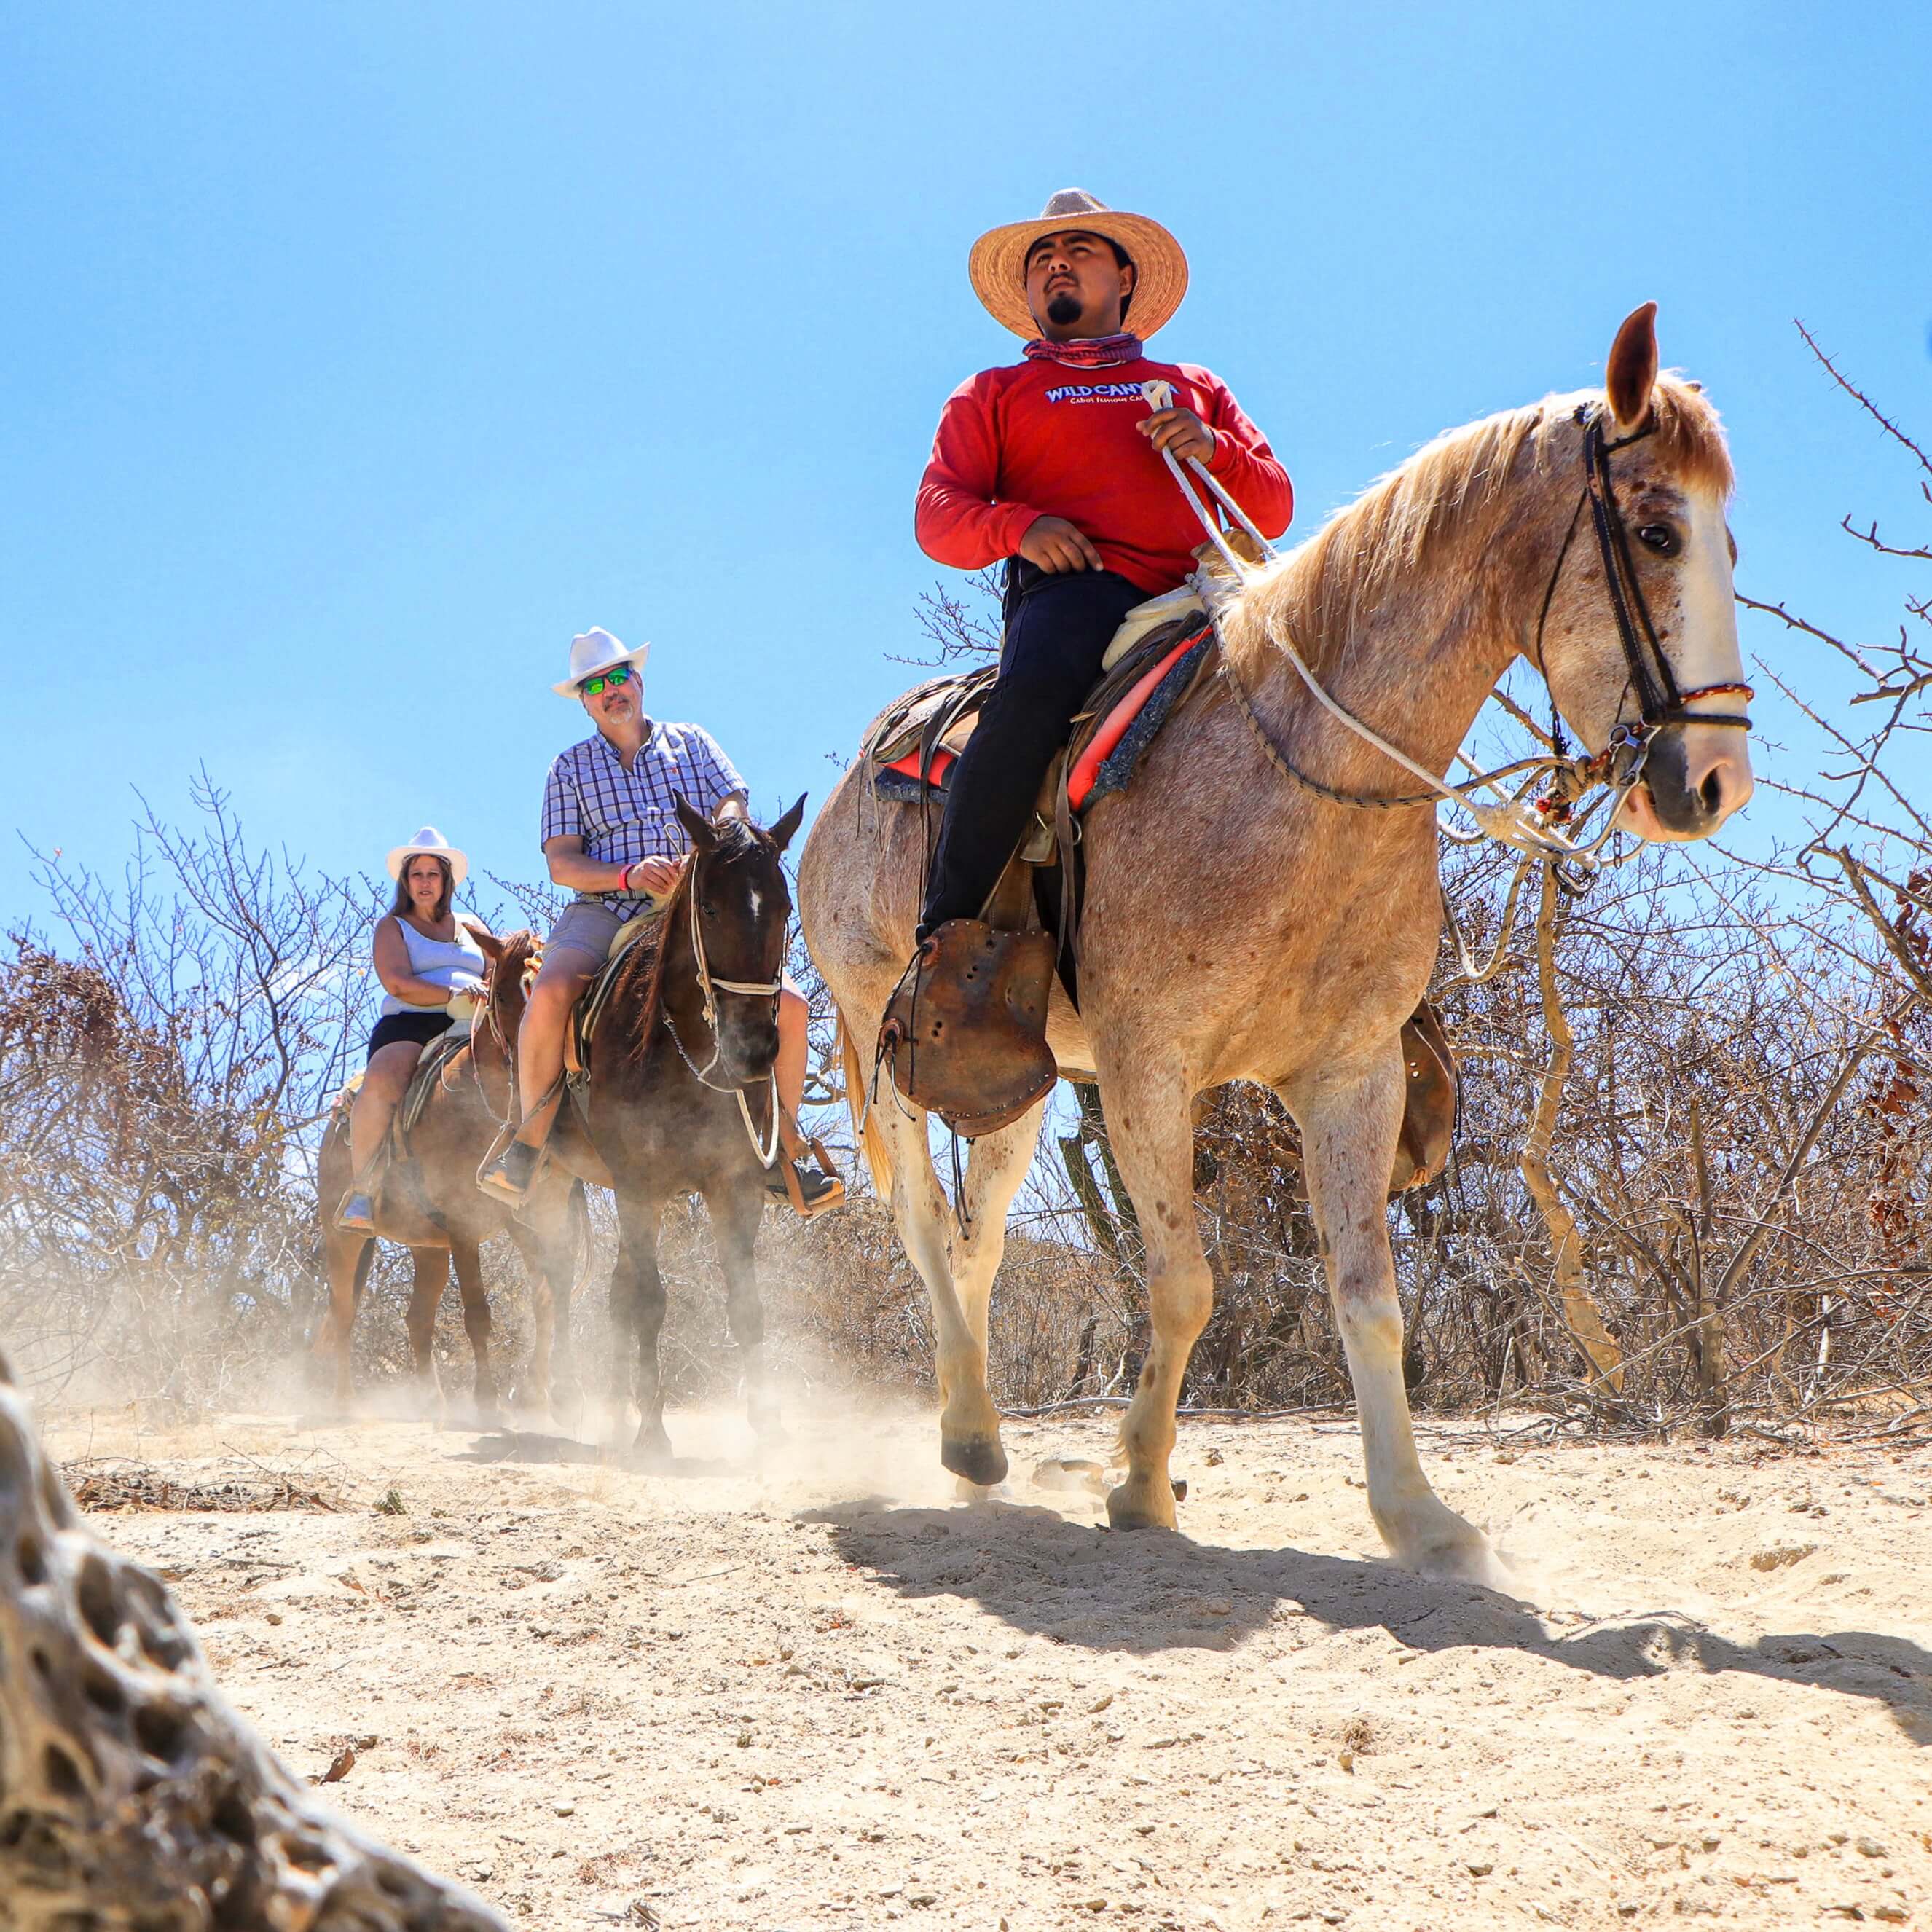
x: 747, y: 1052
x: 1695, y: 777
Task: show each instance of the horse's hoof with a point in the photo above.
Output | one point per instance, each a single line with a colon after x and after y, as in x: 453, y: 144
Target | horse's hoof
x: 973, y: 1495
x: 979, y: 1459
x: 1463, y: 1554
x: 652, y: 1446
x: 1141, y: 1505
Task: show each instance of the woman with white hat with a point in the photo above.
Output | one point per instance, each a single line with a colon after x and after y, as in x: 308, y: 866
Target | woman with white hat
x: 431, y: 969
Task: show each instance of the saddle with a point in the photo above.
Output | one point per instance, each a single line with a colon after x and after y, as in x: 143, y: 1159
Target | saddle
x: 965, y: 1033
x: 433, y: 1069
x: 640, y: 932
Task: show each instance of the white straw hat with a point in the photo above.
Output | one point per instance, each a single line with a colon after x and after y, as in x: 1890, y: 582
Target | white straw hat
x: 596, y: 650
x: 998, y: 264
x: 432, y: 841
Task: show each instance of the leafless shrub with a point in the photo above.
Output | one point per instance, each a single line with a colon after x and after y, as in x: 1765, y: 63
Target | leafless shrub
x: 1693, y: 1181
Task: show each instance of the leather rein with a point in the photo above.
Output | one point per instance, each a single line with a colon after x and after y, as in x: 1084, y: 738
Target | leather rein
x: 1660, y: 700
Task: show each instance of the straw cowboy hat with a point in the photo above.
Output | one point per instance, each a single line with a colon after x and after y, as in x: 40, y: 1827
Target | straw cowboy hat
x: 596, y: 650
x: 998, y: 264
x: 432, y: 841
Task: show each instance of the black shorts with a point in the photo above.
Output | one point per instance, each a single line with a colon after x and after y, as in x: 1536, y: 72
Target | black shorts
x: 421, y: 1027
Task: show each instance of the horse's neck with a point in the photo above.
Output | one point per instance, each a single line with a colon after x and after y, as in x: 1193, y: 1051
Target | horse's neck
x: 677, y: 969
x: 1416, y: 669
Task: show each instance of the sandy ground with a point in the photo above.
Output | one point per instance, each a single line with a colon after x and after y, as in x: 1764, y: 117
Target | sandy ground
x: 815, y: 1692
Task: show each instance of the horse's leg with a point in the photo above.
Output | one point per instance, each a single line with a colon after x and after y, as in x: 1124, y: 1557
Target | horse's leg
x: 469, y: 1266
x: 994, y: 1169
x: 348, y: 1257
x: 1349, y: 1135
x: 969, y: 1424
x: 431, y: 1266
x: 736, y: 1211
x: 638, y: 1312
x: 1149, y: 1121
x: 545, y: 1249
x: 533, y: 1390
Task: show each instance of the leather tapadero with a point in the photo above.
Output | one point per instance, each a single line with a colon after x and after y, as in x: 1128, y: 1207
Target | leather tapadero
x: 966, y: 1032
x: 1429, y: 1101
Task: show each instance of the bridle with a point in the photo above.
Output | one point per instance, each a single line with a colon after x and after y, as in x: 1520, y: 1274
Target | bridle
x: 1530, y: 826
x: 709, y: 986
x: 1660, y: 700
x: 493, y: 1020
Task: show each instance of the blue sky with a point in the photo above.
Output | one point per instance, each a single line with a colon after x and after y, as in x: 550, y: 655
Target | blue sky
x: 353, y: 356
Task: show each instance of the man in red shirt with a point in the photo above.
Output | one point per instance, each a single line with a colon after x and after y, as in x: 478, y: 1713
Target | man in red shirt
x: 1053, y: 465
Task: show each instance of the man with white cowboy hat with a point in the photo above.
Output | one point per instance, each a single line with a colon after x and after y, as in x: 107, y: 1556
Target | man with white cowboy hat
x: 431, y: 968
x: 1052, y: 465
x: 610, y: 833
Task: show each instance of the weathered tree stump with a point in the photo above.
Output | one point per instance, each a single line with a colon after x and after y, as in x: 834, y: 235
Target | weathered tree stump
x: 132, y: 1798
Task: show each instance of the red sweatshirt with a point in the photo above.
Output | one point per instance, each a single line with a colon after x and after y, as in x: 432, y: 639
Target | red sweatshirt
x: 1038, y: 439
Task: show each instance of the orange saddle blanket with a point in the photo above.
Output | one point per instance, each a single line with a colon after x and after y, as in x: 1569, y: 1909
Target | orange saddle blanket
x: 915, y: 742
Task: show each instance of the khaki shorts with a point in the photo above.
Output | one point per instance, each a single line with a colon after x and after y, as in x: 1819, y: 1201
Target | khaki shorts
x: 589, y: 926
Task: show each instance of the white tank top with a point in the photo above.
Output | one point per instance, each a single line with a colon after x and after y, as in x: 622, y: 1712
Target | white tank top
x: 438, y: 961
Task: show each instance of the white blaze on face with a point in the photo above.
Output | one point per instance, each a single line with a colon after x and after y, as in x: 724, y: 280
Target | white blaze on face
x: 1703, y: 650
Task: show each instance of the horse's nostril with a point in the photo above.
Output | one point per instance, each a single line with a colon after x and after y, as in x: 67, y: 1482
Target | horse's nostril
x: 1712, y: 792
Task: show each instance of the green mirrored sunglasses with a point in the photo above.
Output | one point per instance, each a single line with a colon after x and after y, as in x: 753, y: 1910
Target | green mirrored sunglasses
x: 594, y: 687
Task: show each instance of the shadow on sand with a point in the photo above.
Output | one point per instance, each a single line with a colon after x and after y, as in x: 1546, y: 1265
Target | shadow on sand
x: 1143, y: 1594
x: 513, y: 1445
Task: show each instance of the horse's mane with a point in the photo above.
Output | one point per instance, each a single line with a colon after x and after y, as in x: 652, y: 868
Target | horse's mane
x: 637, y: 993
x: 1337, y: 576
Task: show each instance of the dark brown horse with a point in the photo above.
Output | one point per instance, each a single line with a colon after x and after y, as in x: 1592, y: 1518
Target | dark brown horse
x: 679, y: 1097
x: 429, y: 1201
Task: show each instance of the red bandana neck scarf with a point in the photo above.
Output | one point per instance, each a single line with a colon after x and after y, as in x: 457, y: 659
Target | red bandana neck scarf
x: 1097, y: 351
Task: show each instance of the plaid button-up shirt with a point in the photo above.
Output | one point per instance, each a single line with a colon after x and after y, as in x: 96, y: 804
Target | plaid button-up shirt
x: 622, y: 816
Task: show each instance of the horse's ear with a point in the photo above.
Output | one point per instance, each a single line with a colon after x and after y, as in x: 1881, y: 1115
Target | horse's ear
x: 703, y: 833
x: 786, y: 830
x: 1631, y: 374
x: 493, y: 947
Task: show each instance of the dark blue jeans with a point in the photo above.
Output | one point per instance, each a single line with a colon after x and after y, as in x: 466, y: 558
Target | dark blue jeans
x: 1058, y: 624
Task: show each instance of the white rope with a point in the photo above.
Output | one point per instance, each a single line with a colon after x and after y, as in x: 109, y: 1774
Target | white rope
x: 760, y: 989
x: 771, y: 1146
x: 1511, y: 824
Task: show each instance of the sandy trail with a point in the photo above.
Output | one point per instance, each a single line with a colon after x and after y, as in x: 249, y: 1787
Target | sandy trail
x: 817, y: 1692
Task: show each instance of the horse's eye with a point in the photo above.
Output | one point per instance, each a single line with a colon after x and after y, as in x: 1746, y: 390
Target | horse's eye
x: 709, y: 910
x: 1659, y: 537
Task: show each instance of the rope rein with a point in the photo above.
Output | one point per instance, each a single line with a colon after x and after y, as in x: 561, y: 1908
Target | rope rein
x: 710, y: 987
x: 1528, y: 825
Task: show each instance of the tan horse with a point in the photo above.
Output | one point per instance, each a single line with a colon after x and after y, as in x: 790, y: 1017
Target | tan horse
x: 1239, y: 927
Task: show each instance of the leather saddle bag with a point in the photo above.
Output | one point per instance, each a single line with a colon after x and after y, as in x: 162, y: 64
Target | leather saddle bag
x: 1429, y: 1101
x: 966, y: 1032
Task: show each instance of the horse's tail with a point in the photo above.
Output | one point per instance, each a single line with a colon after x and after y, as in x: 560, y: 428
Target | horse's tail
x: 583, y: 1239
x: 878, y: 1155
